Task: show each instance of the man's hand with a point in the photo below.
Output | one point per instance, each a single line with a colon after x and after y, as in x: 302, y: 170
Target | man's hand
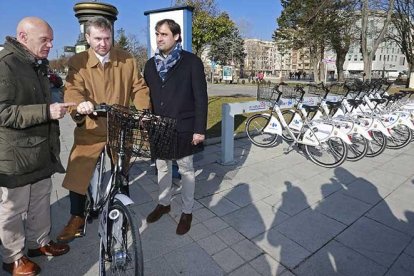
x: 198, y: 138
x: 85, y: 108
x: 58, y: 110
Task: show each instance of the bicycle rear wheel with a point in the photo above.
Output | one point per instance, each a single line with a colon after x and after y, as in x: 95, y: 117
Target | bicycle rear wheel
x: 400, y: 137
x: 329, y: 154
x: 358, y: 149
x: 255, y: 126
x: 124, y: 252
x: 377, y: 145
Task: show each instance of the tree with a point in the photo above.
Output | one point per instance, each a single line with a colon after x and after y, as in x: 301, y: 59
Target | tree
x: 207, y: 25
x: 131, y: 44
x: 403, y: 34
x: 228, y: 49
x: 375, y: 19
x: 121, y: 40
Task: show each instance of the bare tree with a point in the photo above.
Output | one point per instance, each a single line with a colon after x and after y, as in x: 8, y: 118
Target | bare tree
x: 375, y: 19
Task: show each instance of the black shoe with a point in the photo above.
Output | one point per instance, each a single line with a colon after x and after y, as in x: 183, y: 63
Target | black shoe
x: 157, y: 213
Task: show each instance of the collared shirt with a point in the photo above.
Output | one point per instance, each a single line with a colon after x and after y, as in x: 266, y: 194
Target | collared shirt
x: 103, y: 59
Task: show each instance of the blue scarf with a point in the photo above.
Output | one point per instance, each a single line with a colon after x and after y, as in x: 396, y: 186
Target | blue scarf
x: 164, y: 64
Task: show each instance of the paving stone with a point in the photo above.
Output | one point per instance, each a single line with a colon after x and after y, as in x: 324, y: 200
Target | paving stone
x: 158, y: 267
x: 199, y: 231
x: 410, y: 249
x: 293, y: 200
x: 310, y: 229
x: 266, y: 265
x: 404, y: 266
x: 254, y: 219
x: 229, y: 236
x: 192, y: 260
x: 218, y: 204
x: 228, y: 260
x: 335, y: 258
x: 366, y: 191
x: 215, y: 224
x: 212, y: 244
x: 244, y: 194
x: 282, y: 249
x: 209, y: 187
x: 395, y: 213
x: 245, y: 270
x: 342, y: 208
x: 374, y: 240
x: 203, y: 214
x: 247, y: 250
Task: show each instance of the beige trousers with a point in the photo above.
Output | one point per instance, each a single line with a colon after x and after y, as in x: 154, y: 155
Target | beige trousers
x: 186, y: 169
x: 24, y: 216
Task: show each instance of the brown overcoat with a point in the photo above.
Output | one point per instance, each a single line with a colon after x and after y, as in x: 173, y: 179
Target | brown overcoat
x: 118, y: 82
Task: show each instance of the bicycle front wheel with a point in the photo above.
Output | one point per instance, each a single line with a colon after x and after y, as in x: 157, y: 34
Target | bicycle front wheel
x: 377, y: 145
x: 124, y: 252
x: 400, y: 137
x: 358, y: 149
x: 329, y: 154
x: 255, y: 126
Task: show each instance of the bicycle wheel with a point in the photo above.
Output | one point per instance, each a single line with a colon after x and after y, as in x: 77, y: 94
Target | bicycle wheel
x: 329, y: 154
x: 288, y: 114
x: 400, y: 137
x: 254, y: 130
x: 124, y: 253
x: 377, y: 145
x: 358, y: 149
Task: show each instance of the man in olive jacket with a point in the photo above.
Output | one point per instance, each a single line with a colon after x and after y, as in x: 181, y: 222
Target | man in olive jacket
x: 178, y: 89
x: 29, y: 147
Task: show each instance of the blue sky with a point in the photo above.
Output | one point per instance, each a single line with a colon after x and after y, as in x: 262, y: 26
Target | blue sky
x: 257, y: 18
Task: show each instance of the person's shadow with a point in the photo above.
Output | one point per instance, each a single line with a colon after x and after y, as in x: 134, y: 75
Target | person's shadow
x: 373, y: 239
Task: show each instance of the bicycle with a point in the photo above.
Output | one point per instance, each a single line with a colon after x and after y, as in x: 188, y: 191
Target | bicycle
x: 131, y: 133
x: 324, y: 144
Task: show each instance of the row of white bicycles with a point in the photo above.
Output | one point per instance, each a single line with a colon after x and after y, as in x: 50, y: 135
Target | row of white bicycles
x: 348, y: 121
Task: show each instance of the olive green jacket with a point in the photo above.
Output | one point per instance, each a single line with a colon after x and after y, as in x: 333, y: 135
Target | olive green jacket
x: 29, y: 139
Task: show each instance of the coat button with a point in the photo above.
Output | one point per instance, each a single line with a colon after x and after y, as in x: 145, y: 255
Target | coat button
x: 162, y: 103
x: 163, y: 86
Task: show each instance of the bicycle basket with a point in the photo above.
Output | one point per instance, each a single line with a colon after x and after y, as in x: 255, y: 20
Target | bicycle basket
x: 316, y: 89
x: 338, y: 88
x: 266, y: 92
x: 162, y: 135
x: 121, y: 119
x: 288, y: 91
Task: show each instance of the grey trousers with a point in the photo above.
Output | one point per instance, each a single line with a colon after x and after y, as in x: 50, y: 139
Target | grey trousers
x: 186, y: 169
x: 24, y: 216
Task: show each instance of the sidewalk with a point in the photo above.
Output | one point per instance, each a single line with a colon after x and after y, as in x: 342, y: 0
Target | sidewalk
x: 271, y: 214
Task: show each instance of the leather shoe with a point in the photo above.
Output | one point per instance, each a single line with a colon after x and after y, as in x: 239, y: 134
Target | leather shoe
x: 72, y: 230
x: 22, y: 267
x: 157, y: 213
x: 185, y: 224
x: 50, y: 249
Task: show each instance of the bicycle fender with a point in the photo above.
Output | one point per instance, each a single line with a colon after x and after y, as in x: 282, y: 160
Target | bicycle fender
x: 273, y: 126
x: 124, y: 199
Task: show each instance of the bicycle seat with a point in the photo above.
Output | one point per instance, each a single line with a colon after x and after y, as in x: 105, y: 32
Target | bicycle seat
x: 310, y: 108
x: 354, y: 102
x: 333, y: 104
x: 378, y: 100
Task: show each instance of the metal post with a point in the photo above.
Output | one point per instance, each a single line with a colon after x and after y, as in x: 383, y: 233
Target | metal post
x: 227, y: 132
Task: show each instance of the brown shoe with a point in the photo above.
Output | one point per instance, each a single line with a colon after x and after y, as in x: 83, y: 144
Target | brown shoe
x: 72, y: 230
x: 50, y: 249
x: 185, y: 224
x: 157, y: 213
x: 22, y: 267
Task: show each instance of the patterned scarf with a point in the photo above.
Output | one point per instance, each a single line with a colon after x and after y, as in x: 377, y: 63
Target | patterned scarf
x: 164, y: 64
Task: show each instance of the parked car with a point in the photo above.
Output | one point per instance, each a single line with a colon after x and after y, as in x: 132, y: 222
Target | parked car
x: 55, y: 80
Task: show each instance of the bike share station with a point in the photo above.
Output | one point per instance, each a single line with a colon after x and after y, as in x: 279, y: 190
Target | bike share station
x: 229, y: 110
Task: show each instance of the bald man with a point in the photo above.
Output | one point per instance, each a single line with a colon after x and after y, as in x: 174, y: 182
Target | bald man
x: 29, y: 147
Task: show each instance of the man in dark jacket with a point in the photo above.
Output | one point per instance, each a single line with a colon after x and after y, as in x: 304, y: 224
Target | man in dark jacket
x: 178, y: 89
x: 29, y: 147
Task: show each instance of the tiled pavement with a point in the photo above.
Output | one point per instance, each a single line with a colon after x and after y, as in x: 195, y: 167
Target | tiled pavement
x: 270, y: 214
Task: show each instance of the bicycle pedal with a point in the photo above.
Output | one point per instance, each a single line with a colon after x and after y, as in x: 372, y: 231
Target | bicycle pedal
x: 288, y: 149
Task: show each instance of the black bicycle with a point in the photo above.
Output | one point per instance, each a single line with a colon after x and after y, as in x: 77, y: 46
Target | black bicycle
x: 131, y: 133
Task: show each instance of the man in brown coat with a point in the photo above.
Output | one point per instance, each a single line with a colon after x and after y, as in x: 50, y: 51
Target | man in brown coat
x: 100, y: 75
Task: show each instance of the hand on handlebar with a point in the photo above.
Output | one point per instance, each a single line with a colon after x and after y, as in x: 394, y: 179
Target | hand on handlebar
x: 85, y: 108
